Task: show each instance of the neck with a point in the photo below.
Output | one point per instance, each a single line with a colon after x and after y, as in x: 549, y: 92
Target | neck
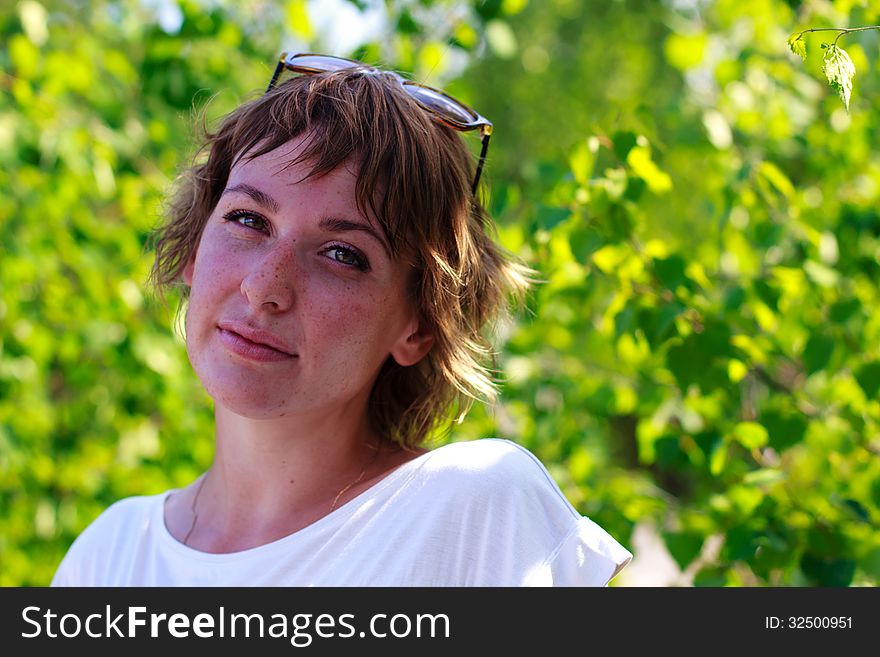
x: 272, y: 477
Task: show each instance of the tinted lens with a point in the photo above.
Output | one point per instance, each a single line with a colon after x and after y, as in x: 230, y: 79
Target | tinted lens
x: 320, y: 63
x: 441, y: 104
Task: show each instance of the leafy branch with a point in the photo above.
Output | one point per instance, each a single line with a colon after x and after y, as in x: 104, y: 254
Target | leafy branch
x: 837, y: 66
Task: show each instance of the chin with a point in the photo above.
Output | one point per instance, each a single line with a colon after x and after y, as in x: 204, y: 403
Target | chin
x: 258, y: 402
x: 254, y: 409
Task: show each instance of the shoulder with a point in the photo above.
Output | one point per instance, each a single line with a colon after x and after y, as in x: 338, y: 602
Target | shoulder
x: 487, y: 456
x: 109, y: 534
x: 496, y: 465
x: 495, y: 482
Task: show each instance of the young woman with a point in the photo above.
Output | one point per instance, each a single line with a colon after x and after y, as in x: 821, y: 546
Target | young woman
x: 339, y: 277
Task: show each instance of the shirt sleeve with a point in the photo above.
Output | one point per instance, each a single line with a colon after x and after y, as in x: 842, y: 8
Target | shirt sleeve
x: 529, y: 531
x: 588, y: 556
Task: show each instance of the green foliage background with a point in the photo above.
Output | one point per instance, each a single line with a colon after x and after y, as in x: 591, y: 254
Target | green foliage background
x: 704, y: 355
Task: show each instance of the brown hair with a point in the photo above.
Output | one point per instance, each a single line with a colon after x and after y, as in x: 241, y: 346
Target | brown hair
x: 414, y: 176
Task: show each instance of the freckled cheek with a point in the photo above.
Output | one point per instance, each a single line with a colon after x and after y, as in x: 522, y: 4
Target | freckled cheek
x: 352, y: 319
x: 222, y: 269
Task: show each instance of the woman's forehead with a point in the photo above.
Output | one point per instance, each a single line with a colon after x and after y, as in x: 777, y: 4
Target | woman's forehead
x: 282, y: 158
x: 291, y: 162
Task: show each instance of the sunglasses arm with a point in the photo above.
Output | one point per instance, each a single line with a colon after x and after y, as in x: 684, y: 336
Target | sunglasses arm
x: 278, y: 69
x: 482, y: 159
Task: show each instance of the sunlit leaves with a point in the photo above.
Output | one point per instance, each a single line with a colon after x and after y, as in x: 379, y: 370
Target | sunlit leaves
x: 24, y: 55
x: 764, y: 476
x: 837, y: 65
x: 839, y: 70
x: 776, y: 178
x: 798, y: 45
x: 685, y: 51
x: 639, y: 158
x: 750, y: 435
x: 582, y: 159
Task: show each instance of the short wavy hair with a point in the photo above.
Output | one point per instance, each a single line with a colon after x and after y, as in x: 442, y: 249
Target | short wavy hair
x: 415, y: 176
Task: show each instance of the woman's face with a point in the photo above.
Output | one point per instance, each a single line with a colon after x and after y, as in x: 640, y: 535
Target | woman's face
x: 295, y: 302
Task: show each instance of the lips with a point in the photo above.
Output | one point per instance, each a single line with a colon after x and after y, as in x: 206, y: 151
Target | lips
x: 254, y: 343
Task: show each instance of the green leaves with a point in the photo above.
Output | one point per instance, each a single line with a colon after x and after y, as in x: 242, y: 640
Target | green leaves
x: 798, y: 45
x: 868, y: 377
x: 839, y: 70
x: 837, y: 64
x: 639, y: 158
x: 750, y: 435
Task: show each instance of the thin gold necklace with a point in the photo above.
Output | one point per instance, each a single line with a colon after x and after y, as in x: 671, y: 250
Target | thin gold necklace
x: 195, y: 514
x: 194, y: 505
x: 360, y: 476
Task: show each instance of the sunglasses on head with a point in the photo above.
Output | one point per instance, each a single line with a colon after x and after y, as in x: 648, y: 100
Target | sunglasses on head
x: 443, y: 107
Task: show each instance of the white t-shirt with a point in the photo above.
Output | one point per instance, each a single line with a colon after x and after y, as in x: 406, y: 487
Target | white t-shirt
x: 480, y: 513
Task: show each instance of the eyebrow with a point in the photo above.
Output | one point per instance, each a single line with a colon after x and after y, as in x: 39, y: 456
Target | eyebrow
x: 329, y: 224
x: 260, y: 197
x: 336, y: 225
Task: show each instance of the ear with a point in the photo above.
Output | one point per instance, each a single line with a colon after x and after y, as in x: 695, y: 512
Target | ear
x: 413, y: 345
x: 187, y: 272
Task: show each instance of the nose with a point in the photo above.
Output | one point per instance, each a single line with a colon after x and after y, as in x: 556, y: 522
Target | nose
x: 269, y: 284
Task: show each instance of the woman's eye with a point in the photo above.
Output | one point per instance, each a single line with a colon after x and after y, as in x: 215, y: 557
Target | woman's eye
x: 246, y: 219
x: 347, y: 256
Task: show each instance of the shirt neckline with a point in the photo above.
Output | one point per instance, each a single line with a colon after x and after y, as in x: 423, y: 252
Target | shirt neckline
x: 339, y: 513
